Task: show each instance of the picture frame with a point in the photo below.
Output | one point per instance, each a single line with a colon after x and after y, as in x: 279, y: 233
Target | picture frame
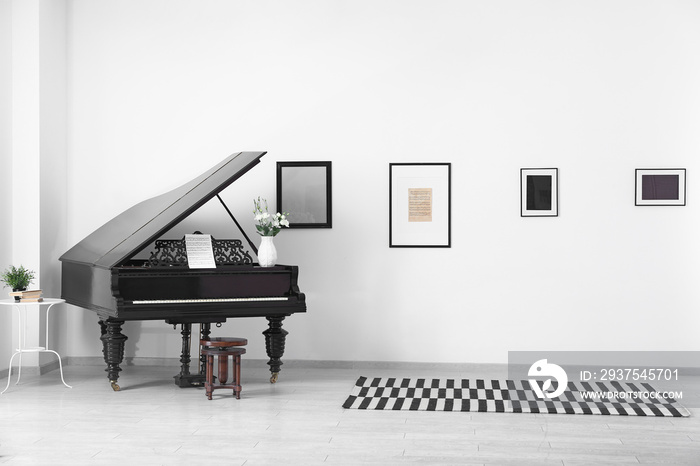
x: 304, y: 191
x: 420, y: 203
x: 659, y: 187
x: 539, y: 192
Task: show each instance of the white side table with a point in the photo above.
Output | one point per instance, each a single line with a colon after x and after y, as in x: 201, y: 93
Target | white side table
x: 22, y: 335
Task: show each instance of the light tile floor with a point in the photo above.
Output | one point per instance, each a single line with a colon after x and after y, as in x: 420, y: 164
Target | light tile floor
x: 300, y: 421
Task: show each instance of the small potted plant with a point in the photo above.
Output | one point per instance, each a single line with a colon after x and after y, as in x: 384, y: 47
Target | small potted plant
x: 17, y: 278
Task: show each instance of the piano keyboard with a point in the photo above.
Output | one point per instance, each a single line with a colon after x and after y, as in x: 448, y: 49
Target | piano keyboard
x: 211, y: 300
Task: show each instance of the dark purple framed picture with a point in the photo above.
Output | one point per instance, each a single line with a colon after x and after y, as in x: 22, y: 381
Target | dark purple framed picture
x: 659, y: 186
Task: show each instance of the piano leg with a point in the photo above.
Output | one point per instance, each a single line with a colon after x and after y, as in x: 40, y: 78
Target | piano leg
x: 275, y: 337
x: 113, y: 348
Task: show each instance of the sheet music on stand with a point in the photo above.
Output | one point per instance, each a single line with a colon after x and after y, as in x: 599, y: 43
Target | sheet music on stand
x: 200, y: 253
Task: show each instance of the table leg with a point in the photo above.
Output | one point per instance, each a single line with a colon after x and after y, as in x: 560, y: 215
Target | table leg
x: 60, y: 366
x: 47, y: 350
x: 9, y: 371
x: 20, y: 343
x: 19, y: 371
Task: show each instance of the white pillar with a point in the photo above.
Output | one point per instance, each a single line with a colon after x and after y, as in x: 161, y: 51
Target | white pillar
x: 38, y: 146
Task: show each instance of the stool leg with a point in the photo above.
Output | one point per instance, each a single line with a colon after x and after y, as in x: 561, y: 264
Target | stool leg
x: 237, y: 375
x: 210, y: 376
x: 223, y: 368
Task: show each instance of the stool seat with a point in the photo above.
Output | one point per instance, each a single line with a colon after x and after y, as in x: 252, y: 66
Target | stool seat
x: 233, y: 351
x: 223, y: 353
x: 219, y: 342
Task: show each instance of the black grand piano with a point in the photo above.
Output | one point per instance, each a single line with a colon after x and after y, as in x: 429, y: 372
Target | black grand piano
x: 102, y: 273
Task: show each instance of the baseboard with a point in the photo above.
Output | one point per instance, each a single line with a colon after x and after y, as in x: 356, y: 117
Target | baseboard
x: 300, y: 363
x: 33, y: 370
x: 295, y: 363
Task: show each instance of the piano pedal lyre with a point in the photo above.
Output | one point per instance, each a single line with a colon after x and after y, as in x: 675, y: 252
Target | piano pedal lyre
x: 185, y: 378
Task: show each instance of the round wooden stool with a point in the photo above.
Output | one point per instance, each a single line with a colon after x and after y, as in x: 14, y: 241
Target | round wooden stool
x: 223, y: 342
x: 222, y: 348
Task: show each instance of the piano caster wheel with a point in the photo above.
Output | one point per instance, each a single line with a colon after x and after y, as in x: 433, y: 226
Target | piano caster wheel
x: 273, y: 379
x: 115, y: 386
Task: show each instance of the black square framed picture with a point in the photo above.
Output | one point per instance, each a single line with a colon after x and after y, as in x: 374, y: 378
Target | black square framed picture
x: 659, y: 186
x: 304, y: 191
x: 539, y: 192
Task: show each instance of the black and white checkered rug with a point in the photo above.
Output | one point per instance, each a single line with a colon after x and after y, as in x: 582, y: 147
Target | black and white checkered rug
x: 508, y: 396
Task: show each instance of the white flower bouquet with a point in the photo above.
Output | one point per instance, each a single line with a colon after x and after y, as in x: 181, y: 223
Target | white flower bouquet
x: 267, y: 224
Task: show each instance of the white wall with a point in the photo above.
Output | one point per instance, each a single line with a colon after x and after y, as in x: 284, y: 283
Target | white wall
x: 5, y: 167
x: 160, y: 91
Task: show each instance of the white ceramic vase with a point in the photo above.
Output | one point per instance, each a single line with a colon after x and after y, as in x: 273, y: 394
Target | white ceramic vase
x: 267, y: 253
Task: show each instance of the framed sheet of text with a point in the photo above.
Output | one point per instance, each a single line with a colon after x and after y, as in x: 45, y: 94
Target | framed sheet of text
x: 419, y: 205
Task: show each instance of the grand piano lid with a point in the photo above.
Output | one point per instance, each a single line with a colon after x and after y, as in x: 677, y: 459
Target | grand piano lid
x: 125, y: 235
